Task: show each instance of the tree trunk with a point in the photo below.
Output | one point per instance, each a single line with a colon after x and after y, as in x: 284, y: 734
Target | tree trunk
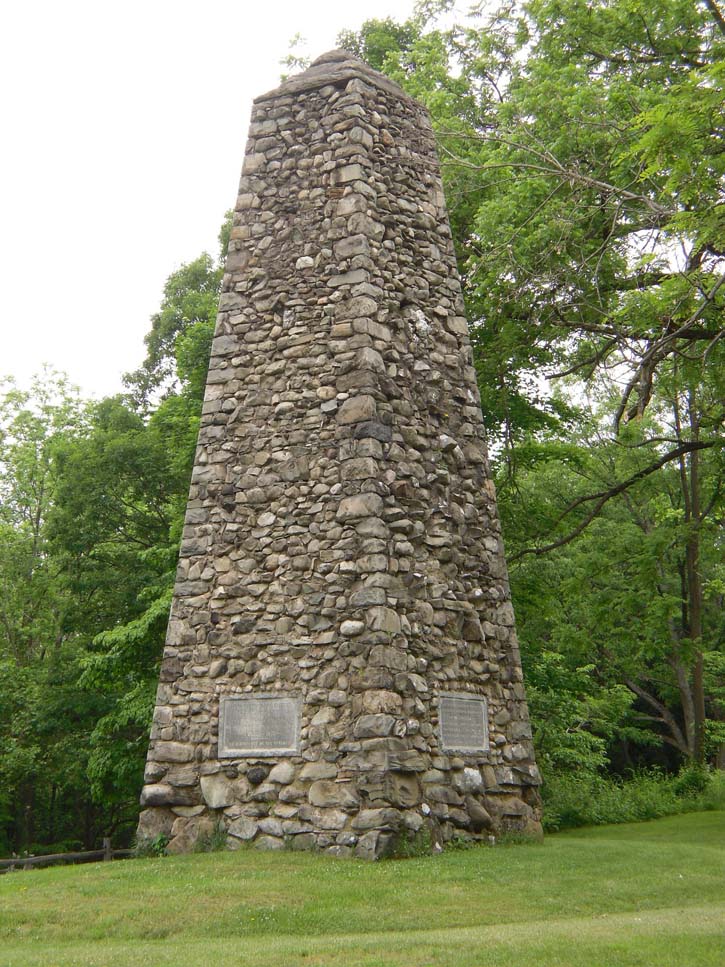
x: 690, y: 483
x: 694, y: 588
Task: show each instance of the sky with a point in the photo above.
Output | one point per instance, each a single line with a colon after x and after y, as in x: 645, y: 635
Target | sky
x: 122, y: 132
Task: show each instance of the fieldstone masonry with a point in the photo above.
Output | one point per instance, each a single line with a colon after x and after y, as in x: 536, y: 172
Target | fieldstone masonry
x: 342, y: 546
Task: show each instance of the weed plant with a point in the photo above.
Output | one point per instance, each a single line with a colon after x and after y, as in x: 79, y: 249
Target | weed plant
x: 214, y: 842
x: 151, y: 846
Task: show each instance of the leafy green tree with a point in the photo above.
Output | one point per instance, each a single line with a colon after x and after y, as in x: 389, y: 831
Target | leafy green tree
x: 379, y: 40
x: 45, y: 717
x: 619, y: 599
x: 121, y: 502
x: 31, y: 424
x: 93, y: 498
x: 583, y: 157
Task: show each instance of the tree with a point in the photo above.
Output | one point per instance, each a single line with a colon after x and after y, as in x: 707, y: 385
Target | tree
x: 45, y: 718
x: 583, y: 155
x: 93, y: 498
x: 616, y: 601
x: 179, y: 341
x: 121, y: 500
x: 31, y: 424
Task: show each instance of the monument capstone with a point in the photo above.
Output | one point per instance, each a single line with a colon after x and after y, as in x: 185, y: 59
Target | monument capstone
x: 341, y: 665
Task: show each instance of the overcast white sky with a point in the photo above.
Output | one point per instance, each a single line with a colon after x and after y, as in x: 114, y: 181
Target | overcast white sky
x: 122, y: 131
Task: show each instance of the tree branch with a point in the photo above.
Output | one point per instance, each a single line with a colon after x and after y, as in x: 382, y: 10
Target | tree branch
x: 665, y: 716
x: 550, y: 165
x: 601, y: 498
x: 644, y: 373
x: 717, y: 16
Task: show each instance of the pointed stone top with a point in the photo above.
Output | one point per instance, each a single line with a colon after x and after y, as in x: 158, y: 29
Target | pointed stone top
x: 334, y: 67
x: 334, y: 56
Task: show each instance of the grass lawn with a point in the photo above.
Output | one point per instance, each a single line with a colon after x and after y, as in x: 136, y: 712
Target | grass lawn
x: 650, y: 895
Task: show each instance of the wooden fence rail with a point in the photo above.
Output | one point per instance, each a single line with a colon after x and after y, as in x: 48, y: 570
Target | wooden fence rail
x: 50, y: 859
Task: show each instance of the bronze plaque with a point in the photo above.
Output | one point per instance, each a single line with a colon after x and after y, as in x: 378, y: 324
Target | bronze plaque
x: 463, y: 722
x: 259, y: 725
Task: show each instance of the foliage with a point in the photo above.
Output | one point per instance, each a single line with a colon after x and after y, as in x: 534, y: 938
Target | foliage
x: 214, y: 842
x: 612, y: 604
x: 582, y: 799
x: 45, y: 718
x: 585, y: 248
x: 179, y: 340
x: 151, y: 847
x: 409, y: 845
x: 574, y: 716
x: 380, y: 40
x: 93, y: 499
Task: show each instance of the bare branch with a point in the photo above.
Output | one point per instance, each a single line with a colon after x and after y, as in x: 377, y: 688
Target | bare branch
x: 591, y: 361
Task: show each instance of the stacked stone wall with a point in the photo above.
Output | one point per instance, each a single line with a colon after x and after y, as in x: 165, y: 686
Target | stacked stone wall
x: 341, y: 542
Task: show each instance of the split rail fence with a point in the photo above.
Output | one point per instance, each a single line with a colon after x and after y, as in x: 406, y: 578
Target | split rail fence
x: 52, y: 859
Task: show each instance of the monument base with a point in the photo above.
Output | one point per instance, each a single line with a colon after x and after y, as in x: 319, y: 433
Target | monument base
x: 397, y: 832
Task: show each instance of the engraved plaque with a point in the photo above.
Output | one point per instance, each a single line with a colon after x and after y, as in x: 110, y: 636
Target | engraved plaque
x: 258, y: 725
x: 463, y: 722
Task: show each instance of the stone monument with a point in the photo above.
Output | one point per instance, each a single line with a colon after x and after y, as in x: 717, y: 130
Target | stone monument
x: 341, y: 667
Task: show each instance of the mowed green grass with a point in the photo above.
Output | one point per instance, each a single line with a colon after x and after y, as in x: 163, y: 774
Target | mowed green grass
x: 650, y: 894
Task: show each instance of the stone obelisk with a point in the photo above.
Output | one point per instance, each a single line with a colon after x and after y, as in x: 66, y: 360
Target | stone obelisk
x: 341, y: 666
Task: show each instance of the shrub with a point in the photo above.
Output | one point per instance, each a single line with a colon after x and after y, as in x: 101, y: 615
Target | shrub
x: 692, y: 781
x: 587, y: 799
